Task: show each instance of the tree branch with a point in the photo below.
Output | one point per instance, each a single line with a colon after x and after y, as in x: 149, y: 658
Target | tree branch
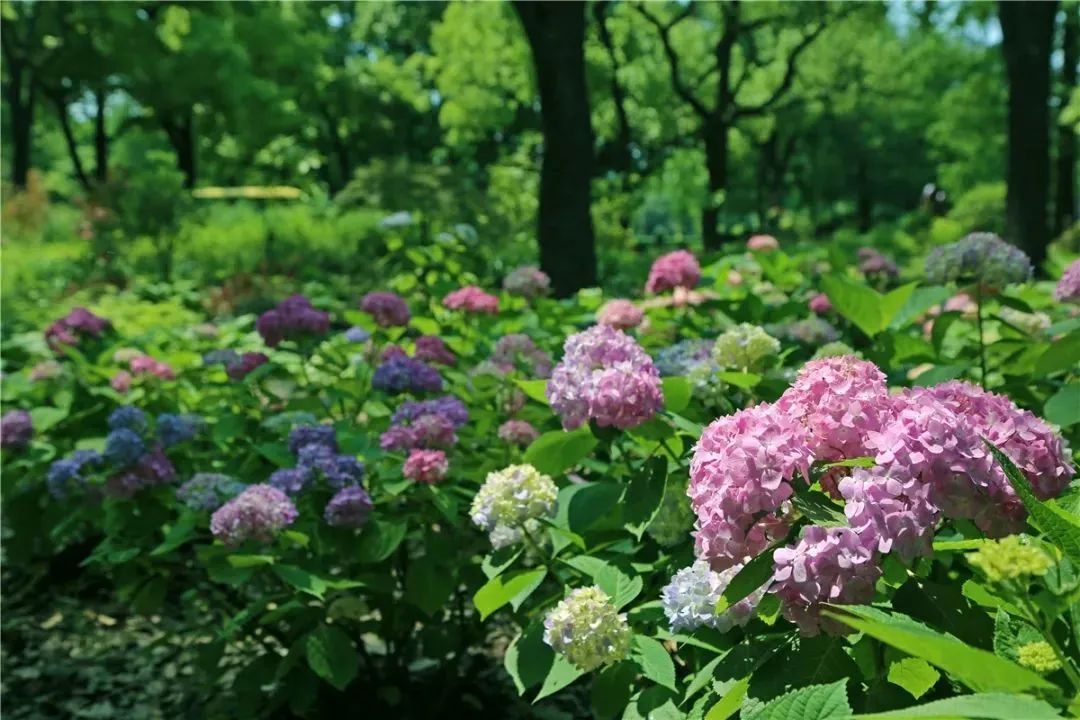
x: 664, y: 31
x: 789, y: 75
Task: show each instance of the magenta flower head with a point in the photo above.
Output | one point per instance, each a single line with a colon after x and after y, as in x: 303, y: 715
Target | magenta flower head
x: 16, y: 430
x: 873, y: 263
x: 741, y: 478
x: 78, y: 324
x: 426, y: 466
x: 819, y: 303
x: 762, y: 243
x: 679, y: 269
x: 242, y: 366
x: 517, y: 432
x: 827, y: 565
x: 527, y: 281
x: 619, y: 314
x: 890, y: 512
x: 1068, y: 287
x: 258, y: 513
x: 388, y: 309
x: 431, y: 348
x: 472, y: 299
x: 294, y: 318
x: 606, y: 377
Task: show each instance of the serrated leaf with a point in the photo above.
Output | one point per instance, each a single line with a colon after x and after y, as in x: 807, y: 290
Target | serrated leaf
x: 529, y: 659
x: 502, y: 589
x: 561, y: 674
x: 983, y: 706
x: 1061, y: 528
x: 1060, y: 356
x: 331, y: 656
x: 379, y: 539
x: 611, y: 689
x: 744, y: 380
x: 555, y: 452
x: 619, y: 586
x: 301, y: 579
x: 856, y: 302
x: 730, y: 703
x: 816, y: 702
x: 654, y: 661
x: 978, y: 669
x: 702, y: 678
x: 914, y: 675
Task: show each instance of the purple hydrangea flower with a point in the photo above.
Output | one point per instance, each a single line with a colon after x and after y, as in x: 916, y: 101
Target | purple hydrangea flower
x: 517, y: 351
x: 527, y: 281
x: 247, y: 362
x: 294, y: 318
x: 258, y: 513
x: 1068, y: 287
x: 357, y: 334
x: 388, y: 309
x: 431, y: 348
x: 872, y: 262
x: 290, y: 480
x: 208, y: 491
x: 16, y: 430
x: 65, y: 475
x: 77, y: 324
x: 123, y: 447
x: 349, y: 508
x: 305, y: 435
x: 152, y: 469
x: 890, y: 512
x: 405, y: 374
x: 517, y: 432
x: 448, y: 406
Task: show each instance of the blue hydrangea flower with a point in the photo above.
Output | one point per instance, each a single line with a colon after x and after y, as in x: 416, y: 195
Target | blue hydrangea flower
x: 304, y: 435
x: 349, y: 508
x: 128, y: 417
x: 65, y: 475
x: 209, y: 491
x: 123, y: 447
x: 357, y: 334
x: 174, y: 429
x: 405, y: 374
x: 290, y: 480
x: 221, y: 357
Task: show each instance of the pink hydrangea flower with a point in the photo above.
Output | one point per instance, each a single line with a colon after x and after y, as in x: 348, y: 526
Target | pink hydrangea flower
x: 1068, y: 287
x: 604, y: 376
x: 472, y: 299
x: 678, y: 269
x: 121, y: 382
x: 762, y: 243
x: 517, y: 432
x: 619, y: 314
x: 431, y: 348
x: 890, y: 511
x: 426, y: 466
x: 146, y: 365
x: 741, y: 477
x: 827, y: 565
x: 527, y: 281
x: 819, y: 303
x: 258, y: 513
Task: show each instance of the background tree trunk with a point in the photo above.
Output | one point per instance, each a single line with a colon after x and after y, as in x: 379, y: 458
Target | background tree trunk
x: 181, y: 134
x: 556, y: 34
x: 1027, y: 32
x: 101, y: 138
x: 20, y: 91
x: 1065, y: 202
x: 716, y: 157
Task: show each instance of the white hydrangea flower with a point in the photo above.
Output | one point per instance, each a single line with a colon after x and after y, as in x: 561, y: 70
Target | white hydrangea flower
x: 690, y: 599
x: 587, y: 629
x: 744, y: 346
x: 510, y: 498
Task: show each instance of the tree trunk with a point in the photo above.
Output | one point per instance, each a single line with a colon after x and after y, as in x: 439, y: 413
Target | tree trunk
x: 556, y: 34
x: 69, y: 140
x: 618, y: 158
x: 181, y: 134
x: 1027, y: 31
x: 716, y: 157
x: 101, y: 138
x: 20, y: 90
x: 1065, y: 203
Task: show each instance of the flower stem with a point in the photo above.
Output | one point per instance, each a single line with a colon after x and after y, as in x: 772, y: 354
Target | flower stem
x: 982, y: 343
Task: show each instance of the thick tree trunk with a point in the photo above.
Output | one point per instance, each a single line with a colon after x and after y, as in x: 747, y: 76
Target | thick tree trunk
x: 101, y: 138
x: 20, y: 90
x: 1027, y: 31
x: 716, y: 157
x: 181, y: 134
x: 1065, y: 202
x: 556, y: 34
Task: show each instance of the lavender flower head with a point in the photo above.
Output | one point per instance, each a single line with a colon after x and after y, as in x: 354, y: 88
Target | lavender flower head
x: 447, y: 406
x: 1068, y: 287
x: 246, y: 363
x: 405, y: 374
x: 294, y: 318
x: 517, y: 351
x: 606, y: 377
x: 890, y: 512
x: 208, y: 491
x: 152, y: 469
x: 72, y: 328
x: 349, y: 508
x: 173, y: 429
x: 517, y: 432
x: 431, y: 348
x: 527, y: 281
x: 66, y: 475
x: 983, y: 258
x: 337, y: 470
x: 16, y: 430
x: 690, y: 599
x: 304, y: 435
x: 683, y: 356
x: 258, y: 513
x: 290, y: 480
x: 471, y: 299
x: 357, y: 334
x: 388, y: 309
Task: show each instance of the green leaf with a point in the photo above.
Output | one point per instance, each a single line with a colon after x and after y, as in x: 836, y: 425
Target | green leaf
x: 1061, y: 355
x: 914, y: 675
x: 501, y: 589
x: 612, y: 688
x: 227, y: 428
x: 379, y: 539
x: 729, y: 704
x: 958, y: 545
x: 620, y: 587
x: 301, y: 579
x: 428, y: 583
x: 816, y: 702
x: 939, y: 374
x: 44, y: 417
x: 331, y: 656
x: 676, y: 393
x: 857, y: 302
x: 1061, y: 528
x: 744, y: 380
x: 277, y: 453
x: 654, y: 661
x: 753, y: 575
x: 249, y: 561
x: 984, y: 706
x: 644, y: 495
x: 818, y: 507
x: 534, y: 389
x: 529, y: 659
x: 590, y: 503
x: 561, y: 674
x: 555, y: 452
x: 701, y: 678
x: 1063, y: 409
x: 978, y: 669
x: 183, y: 530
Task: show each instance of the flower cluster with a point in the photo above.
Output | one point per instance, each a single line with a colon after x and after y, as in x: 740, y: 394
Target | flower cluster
x: 1039, y: 656
x: 690, y: 599
x: 246, y: 363
x: 1030, y: 323
x: 401, y: 373
x: 808, y: 331
x: 983, y: 258
x: 679, y: 269
x: 258, y: 513
x: 316, y: 451
x: 349, y: 508
x: 357, y: 334
x: 819, y: 303
x: 606, y: 377
x: 388, y: 309
x: 1011, y: 558
x: 294, y: 318
x: 517, y: 351
x: 150, y: 469
x: 890, y: 512
x: 587, y: 629
x: 827, y: 565
x: 65, y: 476
x: 683, y: 356
x: 517, y: 432
x: 741, y: 477
x: 174, y: 429
x: 431, y: 348
x: 45, y: 370
x: 428, y: 424
x: 509, y: 499
x: 744, y: 346
x: 833, y: 349
x: 873, y: 263
x: 146, y: 365
x: 619, y: 314
x: 78, y: 324
x: 16, y: 430
x: 1068, y: 287
x: 527, y: 281
x: 762, y: 243
x: 426, y: 466
x: 472, y: 299
x: 208, y: 491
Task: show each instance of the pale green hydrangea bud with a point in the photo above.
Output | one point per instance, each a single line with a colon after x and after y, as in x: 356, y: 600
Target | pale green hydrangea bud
x: 744, y: 346
x: 675, y: 518
x: 587, y: 629
x: 1010, y: 558
x: 834, y: 349
x: 1038, y: 656
x: 509, y: 499
x: 704, y: 385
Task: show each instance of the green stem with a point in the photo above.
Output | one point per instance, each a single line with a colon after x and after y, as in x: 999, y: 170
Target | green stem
x: 982, y: 343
